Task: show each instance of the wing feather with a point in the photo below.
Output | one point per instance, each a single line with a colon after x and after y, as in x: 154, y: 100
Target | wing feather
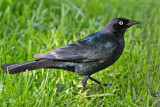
x: 84, y: 50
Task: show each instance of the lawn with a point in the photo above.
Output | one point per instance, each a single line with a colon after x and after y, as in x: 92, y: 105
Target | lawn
x: 28, y: 27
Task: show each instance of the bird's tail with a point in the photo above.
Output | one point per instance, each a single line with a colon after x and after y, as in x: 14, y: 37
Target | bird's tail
x: 14, y: 68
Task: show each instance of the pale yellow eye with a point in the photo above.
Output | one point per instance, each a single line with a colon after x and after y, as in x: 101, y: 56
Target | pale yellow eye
x: 120, y: 22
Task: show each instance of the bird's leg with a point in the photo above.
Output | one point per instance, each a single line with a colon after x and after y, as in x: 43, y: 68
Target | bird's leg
x: 97, y: 81
x: 84, y: 80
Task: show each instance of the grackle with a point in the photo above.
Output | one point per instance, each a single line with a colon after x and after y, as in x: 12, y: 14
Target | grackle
x: 85, y: 56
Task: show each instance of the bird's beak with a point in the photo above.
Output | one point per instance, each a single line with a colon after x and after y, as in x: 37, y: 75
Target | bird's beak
x: 133, y: 22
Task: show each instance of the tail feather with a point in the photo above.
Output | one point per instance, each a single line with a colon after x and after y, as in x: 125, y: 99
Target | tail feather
x: 14, y: 68
x: 6, y: 65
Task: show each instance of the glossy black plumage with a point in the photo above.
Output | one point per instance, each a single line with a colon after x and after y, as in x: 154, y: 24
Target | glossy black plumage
x: 85, y: 56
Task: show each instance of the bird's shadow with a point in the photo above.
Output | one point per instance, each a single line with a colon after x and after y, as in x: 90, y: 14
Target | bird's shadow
x: 90, y: 89
x: 95, y: 89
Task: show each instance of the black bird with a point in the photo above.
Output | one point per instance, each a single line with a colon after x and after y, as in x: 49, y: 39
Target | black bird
x: 85, y: 56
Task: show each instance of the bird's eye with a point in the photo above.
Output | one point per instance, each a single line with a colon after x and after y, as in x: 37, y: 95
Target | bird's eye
x: 120, y: 22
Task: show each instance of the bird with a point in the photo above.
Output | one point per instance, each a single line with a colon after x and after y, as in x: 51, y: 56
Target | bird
x: 86, y: 56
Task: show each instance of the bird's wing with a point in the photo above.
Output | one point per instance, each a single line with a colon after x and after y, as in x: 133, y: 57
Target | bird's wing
x: 103, y: 52
x: 69, y: 52
x: 83, y: 50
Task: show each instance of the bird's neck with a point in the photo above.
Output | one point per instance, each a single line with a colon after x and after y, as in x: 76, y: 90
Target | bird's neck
x: 114, y: 32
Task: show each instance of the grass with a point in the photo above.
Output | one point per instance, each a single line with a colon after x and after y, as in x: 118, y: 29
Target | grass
x: 28, y: 27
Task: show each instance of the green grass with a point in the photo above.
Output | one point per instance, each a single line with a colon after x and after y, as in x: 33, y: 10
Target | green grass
x: 28, y: 27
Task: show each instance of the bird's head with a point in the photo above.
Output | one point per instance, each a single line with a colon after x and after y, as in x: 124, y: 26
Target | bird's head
x: 118, y: 26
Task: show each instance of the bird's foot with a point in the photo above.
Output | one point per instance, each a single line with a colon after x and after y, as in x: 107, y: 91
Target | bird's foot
x: 84, y: 80
x: 105, y: 84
